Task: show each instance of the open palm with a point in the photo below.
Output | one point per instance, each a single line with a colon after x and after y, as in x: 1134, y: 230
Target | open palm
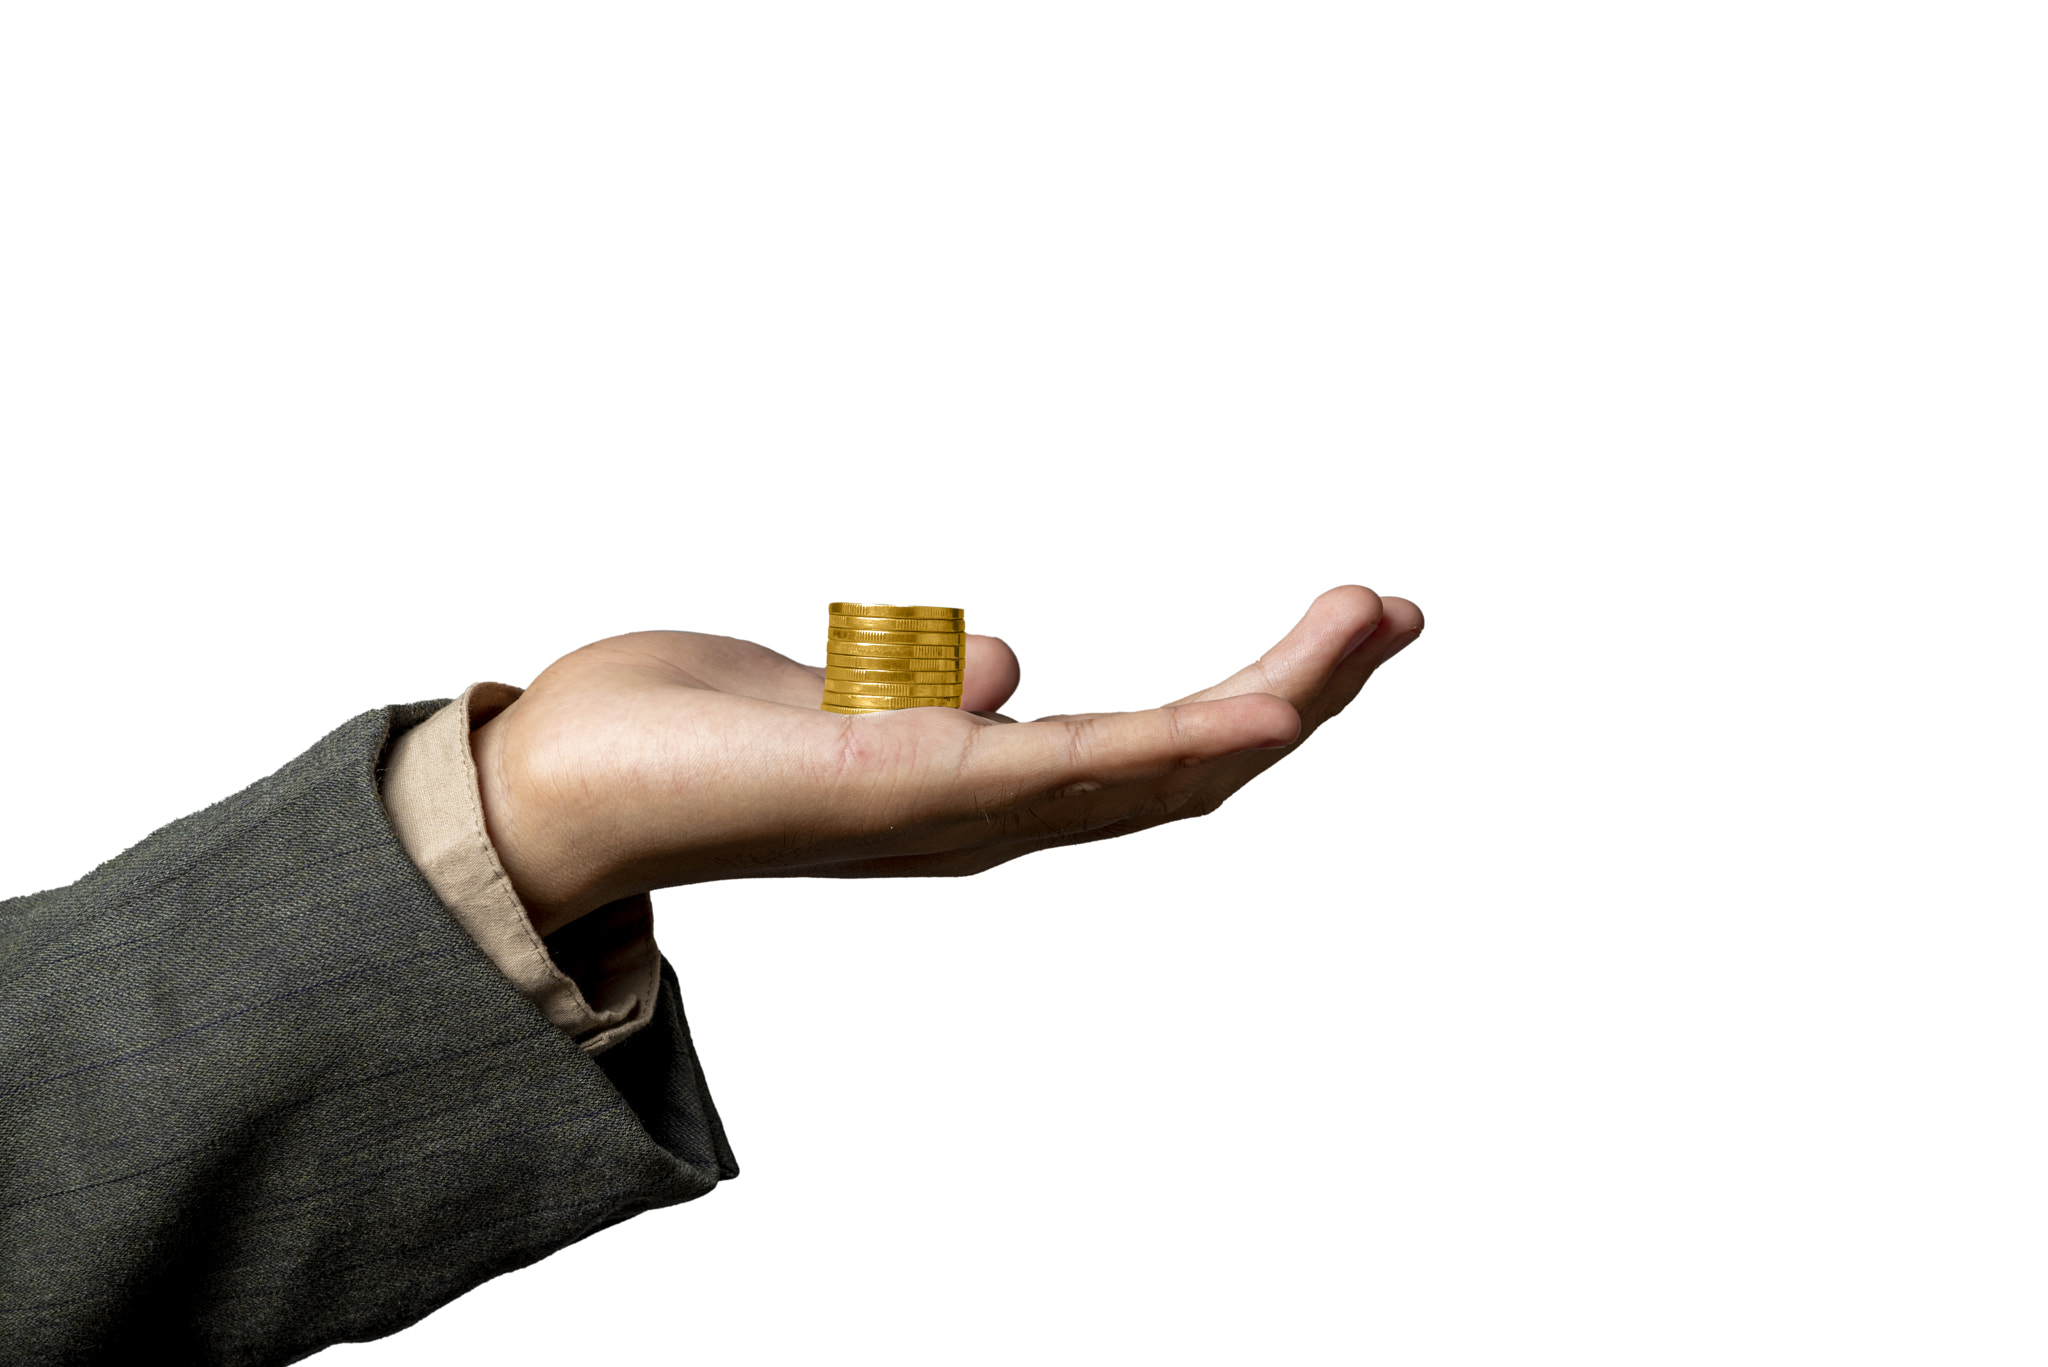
x: 670, y: 757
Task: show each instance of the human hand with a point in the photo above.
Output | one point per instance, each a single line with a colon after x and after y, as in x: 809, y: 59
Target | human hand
x: 669, y: 757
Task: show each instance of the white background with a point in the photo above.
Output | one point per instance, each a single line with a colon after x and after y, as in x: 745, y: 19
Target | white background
x: 1647, y: 970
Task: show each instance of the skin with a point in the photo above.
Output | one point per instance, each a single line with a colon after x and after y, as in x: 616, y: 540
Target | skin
x: 669, y: 757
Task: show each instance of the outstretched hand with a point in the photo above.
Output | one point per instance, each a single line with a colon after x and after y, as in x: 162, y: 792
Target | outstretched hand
x: 669, y: 757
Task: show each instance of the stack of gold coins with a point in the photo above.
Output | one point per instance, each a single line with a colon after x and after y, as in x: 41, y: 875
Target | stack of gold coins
x: 880, y: 657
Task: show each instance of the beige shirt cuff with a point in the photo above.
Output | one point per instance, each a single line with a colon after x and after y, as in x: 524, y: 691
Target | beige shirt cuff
x: 598, y: 977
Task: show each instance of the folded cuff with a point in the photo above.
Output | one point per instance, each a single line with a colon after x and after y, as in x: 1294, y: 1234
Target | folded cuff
x: 597, y: 978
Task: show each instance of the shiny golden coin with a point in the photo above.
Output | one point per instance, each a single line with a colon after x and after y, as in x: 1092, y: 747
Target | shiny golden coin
x: 939, y: 671
x: 895, y: 686
x: 888, y: 688
x: 882, y: 650
x: 889, y: 703
x: 878, y: 703
x: 888, y: 676
x: 895, y: 623
x: 886, y: 626
x: 891, y: 610
x: 872, y: 711
x: 898, y: 638
x: 892, y: 690
x: 949, y: 663
x: 885, y: 711
x: 869, y: 664
x: 865, y: 711
x: 895, y: 611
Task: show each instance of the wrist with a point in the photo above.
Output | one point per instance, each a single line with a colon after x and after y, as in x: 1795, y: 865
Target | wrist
x: 526, y: 834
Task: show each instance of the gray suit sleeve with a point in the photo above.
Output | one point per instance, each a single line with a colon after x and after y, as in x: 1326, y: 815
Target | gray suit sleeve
x: 260, y: 1093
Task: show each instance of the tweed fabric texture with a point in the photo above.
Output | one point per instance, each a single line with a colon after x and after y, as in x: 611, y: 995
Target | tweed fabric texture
x: 260, y: 1093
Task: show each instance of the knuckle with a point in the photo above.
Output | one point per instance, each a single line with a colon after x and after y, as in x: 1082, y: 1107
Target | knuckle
x: 1176, y: 732
x: 1078, y: 737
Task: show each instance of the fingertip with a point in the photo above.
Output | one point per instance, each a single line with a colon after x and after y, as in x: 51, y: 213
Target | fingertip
x: 1354, y: 598
x: 1402, y: 615
x: 1250, y: 721
x: 1356, y: 608
x: 1278, y: 720
x: 1399, y: 624
x: 992, y: 673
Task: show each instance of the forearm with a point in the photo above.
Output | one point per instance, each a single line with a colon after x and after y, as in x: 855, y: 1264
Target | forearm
x: 260, y: 1093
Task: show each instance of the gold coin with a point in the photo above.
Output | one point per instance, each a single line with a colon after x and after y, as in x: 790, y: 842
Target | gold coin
x: 864, y: 664
x: 871, y: 711
x: 852, y: 676
x: 879, y: 703
x: 882, y: 650
x: 891, y: 610
x: 892, y: 690
x: 891, y: 703
x: 885, y: 711
x: 952, y: 617
x: 895, y: 623
x: 898, y: 638
x: 837, y: 660
x: 857, y: 658
x: 893, y: 687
